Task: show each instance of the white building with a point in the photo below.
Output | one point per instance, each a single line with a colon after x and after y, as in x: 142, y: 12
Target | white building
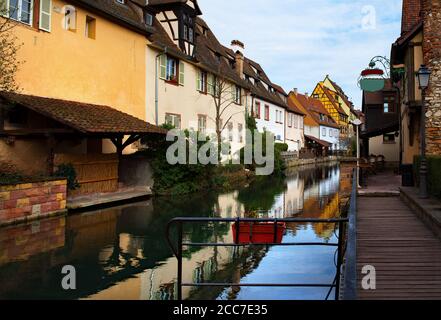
x: 185, y: 64
x: 319, y: 125
x: 269, y: 101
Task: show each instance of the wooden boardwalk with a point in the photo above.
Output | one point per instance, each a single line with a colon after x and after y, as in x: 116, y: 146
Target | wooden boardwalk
x: 405, y: 254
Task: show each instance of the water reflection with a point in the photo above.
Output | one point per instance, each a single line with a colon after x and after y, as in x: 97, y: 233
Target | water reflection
x: 121, y: 253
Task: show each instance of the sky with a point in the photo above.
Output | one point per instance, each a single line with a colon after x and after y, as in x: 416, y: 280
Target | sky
x: 299, y: 42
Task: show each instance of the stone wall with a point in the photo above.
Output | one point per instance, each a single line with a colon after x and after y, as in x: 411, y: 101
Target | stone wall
x: 432, y: 58
x: 30, y: 201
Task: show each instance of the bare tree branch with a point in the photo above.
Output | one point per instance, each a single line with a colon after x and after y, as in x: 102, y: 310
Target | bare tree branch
x: 8, y: 52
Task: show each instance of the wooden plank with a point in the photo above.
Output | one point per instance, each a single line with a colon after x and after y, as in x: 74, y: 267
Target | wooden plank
x: 405, y: 254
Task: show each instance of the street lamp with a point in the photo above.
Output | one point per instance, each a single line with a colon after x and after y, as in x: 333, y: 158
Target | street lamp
x: 423, y: 76
x: 358, y: 123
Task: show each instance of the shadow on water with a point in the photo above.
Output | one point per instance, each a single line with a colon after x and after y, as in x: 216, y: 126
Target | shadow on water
x: 121, y: 253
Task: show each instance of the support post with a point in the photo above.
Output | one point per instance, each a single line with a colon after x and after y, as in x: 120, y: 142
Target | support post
x: 180, y: 236
x: 339, y: 260
x: 424, y: 194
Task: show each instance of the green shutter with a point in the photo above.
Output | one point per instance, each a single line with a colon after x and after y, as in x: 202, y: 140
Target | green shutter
x: 163, y: 66
x: 4, y: 8
x: 181, y: 73
x: 198, y: 81
x: 45, y: 15
x: 210, y: 81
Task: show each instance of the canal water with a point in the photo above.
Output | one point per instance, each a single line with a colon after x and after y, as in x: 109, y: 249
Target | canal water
x: 121, y: 253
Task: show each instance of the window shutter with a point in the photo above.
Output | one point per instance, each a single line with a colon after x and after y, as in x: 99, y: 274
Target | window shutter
x: 181, y: 73
x: 163, y: 66
x: 45, y: 15
x: 4, y: 8
x: 198, y: 83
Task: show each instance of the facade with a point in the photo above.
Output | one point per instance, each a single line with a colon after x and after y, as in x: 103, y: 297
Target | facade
x: 329, y: 100
x: 318, y: 123
x: 84, y: 58
x: 417, y: 45
x: 380, y: 133
x: 268, y: 101
x: 193, y: 66
x: 343, y: 100
x: 187, y: 68
x: 294, y: 123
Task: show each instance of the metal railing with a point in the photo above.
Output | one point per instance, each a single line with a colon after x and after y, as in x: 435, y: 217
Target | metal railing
x: 346, y: 250
x: 178, y: 252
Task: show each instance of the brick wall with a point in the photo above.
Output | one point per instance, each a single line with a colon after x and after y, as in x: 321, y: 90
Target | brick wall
x: 411, y: 14
x: 29, y: 201
x: 432, y: 58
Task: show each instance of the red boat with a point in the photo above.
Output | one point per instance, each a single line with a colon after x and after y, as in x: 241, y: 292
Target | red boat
x: 258, y: 232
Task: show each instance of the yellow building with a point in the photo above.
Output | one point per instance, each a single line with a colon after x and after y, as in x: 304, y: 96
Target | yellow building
x: 343, y: 100
x: 329, y: 99
x: 82, y: 83
x: 92, y: 52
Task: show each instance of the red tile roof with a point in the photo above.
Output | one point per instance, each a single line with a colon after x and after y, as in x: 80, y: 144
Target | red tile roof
x: 315, y: 108
x: 83, y: 117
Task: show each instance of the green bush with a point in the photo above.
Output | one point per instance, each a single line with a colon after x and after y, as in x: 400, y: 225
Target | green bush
x: 67, y: 170
x: 434, y: 175
x: 176, y: 179
x: 281, y: 147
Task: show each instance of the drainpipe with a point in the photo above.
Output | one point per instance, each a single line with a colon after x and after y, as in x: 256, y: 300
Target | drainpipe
x: 156, y: 86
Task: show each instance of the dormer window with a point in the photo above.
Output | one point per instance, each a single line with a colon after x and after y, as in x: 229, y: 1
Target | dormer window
x: 188, y: 28
x: 148, y: 19
x: 121, y: 1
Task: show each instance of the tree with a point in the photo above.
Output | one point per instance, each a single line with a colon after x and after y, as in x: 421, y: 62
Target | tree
x: 8, y: 52
x: 226, y: 96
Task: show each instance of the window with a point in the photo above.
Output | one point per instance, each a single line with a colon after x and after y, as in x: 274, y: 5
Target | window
x: 267, y: 113
x: 19, y: 10
x: 257, y: 110
x: 389, y: 138
x: 148, y: 19
x: 121, y: 1
x: 188, y: 28
x: 90, y: 27
x: 290, y: 120
x: 237, y: 95
x: 296, y: 122
x: 202, y: 124
x: 301, y: 121
x: 324, y: 132
x: 173, y: 120
x: 171, y: 70
x: 389, y: 105
x: 202, y: 81
x: 230, y: 132
x: 240, y: 127
x: 70, y: 18
x: 330, y: 133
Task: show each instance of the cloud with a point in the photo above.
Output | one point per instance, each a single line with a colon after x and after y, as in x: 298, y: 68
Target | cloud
x: 298, y: 42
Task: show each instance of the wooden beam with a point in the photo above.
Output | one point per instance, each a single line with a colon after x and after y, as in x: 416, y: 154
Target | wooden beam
x: 27, y: 132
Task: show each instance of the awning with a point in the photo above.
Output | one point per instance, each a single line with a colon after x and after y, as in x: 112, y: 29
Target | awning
x: 88, y: 119
x: 318, y: 141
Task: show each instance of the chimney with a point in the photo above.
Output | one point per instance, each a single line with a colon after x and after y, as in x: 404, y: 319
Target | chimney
x: 306, y: 94
x: 296, y: 91
x: 238, y: 48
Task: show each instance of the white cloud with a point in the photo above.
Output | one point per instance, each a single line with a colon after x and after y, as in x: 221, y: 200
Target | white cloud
x: 298, y: 42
